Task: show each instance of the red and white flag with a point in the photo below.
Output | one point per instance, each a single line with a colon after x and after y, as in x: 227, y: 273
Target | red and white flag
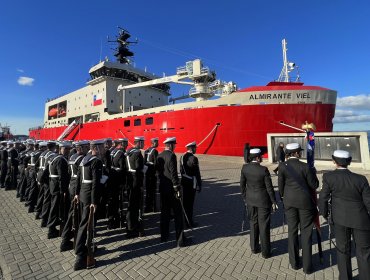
x: 98, y: 99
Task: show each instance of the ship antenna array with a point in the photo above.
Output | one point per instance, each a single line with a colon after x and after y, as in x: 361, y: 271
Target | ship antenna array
x: 287, y: 66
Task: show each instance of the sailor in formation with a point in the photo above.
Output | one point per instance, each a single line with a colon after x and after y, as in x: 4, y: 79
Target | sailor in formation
x: 191, y: 181
x: 81, y: 149
x: 3, y: 163
x: 88, y: 188
x: 345, y: 203
x: 150, y: 160
x: 117, y: 182
x: 170, y: 190
x: 259, y: 197
x: 296, y: 182
x: 12, y: 165
x: 58, y: 184
x: 135, y: 180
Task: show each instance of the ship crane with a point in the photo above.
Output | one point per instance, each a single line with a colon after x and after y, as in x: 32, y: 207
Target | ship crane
x: 202, y: 79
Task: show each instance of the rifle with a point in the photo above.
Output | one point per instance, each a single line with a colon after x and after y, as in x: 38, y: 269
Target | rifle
x: 90, y: 263
x: 120, y: 209
x: 62, y: 213
x: 75, y: 221
x: 141, y: 206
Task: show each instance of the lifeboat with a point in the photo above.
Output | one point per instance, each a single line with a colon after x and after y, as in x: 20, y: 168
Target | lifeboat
x: 53, y: 112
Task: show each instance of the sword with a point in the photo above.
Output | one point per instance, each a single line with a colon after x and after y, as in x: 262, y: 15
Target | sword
x: 183, y: 211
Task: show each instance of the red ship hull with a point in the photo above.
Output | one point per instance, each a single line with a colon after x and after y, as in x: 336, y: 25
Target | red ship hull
x: 228, y: 127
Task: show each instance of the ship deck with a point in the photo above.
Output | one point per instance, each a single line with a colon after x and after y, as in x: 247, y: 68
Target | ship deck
x: 220, y: 248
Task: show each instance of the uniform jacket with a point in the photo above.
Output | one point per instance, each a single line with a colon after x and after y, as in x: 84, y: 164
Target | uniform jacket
x: 350, y: 198
x: 167, y: 171
x: 13, y: 157
x: 74, y: 163
x: 91, y: 169
x: 189, y: 167
x: 294, y: 194
x: 280, y: 154
x: 4, y: 156
x: 58, y: 166
x: 256, y: 186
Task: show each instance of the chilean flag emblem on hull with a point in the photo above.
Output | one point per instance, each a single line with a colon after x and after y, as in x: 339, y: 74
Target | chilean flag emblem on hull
x: 98, y: 100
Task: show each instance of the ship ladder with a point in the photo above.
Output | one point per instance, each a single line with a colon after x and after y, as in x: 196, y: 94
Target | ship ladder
x: 68, y: 130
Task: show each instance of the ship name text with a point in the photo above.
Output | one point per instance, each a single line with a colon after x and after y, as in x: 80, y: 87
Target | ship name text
x: 285, y: 95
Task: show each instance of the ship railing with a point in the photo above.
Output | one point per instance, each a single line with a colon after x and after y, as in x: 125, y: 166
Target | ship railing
x: 181, y: 70
x: 35, y: 128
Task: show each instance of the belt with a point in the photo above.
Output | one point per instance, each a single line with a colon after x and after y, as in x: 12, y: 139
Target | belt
x: 187, y: 176
x: 117, y: 168
x: 74, y: 176
x: 132, y: 170
x: 149, y: 163
x: 31, y: 164
x: 54, y: 176
x: 87, y: 181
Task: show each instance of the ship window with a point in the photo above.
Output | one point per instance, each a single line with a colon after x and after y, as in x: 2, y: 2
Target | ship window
x: 137, y: 122
x: 126, y: 123
x: 149, y: 121
x: 111, y: 101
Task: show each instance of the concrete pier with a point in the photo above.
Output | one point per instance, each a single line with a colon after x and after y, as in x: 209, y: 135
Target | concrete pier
x: 220, y: 248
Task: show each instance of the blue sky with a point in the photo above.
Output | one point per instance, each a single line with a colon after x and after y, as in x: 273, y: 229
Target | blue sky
x: 52, y: 45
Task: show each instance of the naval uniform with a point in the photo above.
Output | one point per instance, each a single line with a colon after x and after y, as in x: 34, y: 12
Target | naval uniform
x: 73, y: 164
x: 88, y: 188
x: 23, y: 182
x: 135, y: 180
x: 58, y: 182
x: 191, y: 181
x: 150, y: 158
x: 117, y: 184
x: 258, y: 194
x: 11, y: 176
x: 168, y: 179
x: 350, y: 199
x: 32, y: 186
x: 3, y: 166
x: 299, y: 208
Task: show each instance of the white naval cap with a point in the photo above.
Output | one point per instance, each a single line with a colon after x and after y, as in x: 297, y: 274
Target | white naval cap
x: 4, y: 142
x: 342, y: 157
x: 170, y: 140
x: 108, y: 139
x: 341, y: 154
x: 255, y: 151
x: 119, y: 140
x: 10, y: 142
x: 65, y: 144
x: 81, y: 143
x: 154, y: 139
x: 30, y: 142
x: 43, y: 144
x: 293, y: 147
x: 191, y: 144
x: 97, y: 142
x: 139, y: 138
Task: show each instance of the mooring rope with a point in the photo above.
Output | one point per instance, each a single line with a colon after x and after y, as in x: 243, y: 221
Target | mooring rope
x: 208, y: 135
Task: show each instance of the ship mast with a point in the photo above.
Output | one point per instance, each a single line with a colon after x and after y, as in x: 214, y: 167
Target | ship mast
x: 287, y: 66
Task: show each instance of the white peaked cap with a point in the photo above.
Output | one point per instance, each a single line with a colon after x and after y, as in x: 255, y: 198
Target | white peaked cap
x: 341, y: 154
x: 293, y: 147
x: 64, y: 144
x: 170, y: 140
x: 255, y: 151
x: 97, y: 142
x: 191, y: 144
x: 81, y: 143
x: 139, y: 138
x: 43, y: 144
x: 10, y: 142
x: 154, y: 139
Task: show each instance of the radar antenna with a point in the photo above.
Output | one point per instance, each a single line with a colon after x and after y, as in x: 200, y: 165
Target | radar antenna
x: 122, y: 52
x: 288, y: 66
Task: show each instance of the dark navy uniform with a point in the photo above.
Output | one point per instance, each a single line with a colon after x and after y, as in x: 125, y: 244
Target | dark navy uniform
x: 31, y: 180
x: 73, y: 163
x: 13, y: 162
x: 3, y: 165
x: 191, y: 182
x: 349, y: 194
x: 168, y: 184
x: 135, y: 180
x: 258, y: 194
x: 60, y: 202
x: 117, y: 183
x: 295, y: 181
x: 150, y: 159
x: 88, y: 188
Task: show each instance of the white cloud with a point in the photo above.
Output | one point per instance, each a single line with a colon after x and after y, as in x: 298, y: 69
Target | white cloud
x: 20, y: 70
x: 361, y: 101
x: 348, y: 116
x: 26, y: 81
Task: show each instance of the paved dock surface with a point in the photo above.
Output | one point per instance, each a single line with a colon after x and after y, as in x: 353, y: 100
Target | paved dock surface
x: 219, y: 250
